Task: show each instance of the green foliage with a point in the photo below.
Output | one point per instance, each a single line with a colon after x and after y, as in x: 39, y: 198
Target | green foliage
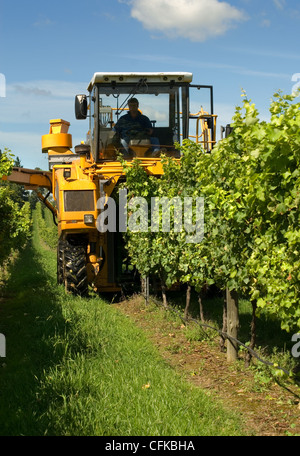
x: 250, y: 184
x: 6, y: 162
x: 15, y: 220
x: 16, y: 192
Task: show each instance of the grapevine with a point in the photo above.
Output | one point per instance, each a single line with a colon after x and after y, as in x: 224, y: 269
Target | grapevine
x: 250, y: 184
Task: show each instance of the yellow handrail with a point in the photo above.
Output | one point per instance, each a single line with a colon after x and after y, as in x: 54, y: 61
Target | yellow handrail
x: 208, y: 139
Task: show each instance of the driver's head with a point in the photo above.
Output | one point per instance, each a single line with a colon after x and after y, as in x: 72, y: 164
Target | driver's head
x: 133, y: 101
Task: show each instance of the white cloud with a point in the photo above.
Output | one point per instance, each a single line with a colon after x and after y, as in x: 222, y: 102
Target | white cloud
x: 265, y: 23
x: 25, y: 113
x: 43, y: 22
x: 236, y: 69
x: 26, y: 146
x: 31, y: 90
x: 280, y: 4
x: 35, y: 102
x: 196, y: 20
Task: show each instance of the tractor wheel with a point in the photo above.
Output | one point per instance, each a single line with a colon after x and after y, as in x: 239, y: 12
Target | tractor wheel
x: 74, y: 269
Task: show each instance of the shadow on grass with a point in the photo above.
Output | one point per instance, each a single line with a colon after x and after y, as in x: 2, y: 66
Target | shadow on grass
x: 30, y: 318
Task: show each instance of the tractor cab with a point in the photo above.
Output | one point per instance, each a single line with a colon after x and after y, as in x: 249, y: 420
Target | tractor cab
x: 162, y: 120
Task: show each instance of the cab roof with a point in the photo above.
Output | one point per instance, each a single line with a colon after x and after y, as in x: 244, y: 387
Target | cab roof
x: 135, y: 77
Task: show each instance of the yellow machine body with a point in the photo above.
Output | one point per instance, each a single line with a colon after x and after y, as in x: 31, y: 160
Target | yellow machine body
x: 77, y: 179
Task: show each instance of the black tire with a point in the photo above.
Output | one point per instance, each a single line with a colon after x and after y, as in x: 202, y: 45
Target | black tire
x: 74, y: 269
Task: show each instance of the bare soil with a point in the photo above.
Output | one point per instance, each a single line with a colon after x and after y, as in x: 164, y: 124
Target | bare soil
x: 266, y: 408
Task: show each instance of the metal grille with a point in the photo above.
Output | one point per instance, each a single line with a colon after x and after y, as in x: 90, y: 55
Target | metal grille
x: 79, y: 200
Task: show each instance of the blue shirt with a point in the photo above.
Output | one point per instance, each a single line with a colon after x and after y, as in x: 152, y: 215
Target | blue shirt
x: 127, y: 127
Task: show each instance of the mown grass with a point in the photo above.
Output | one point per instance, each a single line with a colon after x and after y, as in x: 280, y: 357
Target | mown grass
x: 79, y: 367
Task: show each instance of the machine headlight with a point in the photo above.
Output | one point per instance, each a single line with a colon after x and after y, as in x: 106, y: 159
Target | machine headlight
x: 88, y: 219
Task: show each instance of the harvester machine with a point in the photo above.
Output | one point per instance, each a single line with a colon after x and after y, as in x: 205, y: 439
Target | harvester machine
x: 82, y: 180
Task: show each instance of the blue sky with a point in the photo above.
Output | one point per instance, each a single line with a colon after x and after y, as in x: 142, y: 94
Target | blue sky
x: 50, y: 50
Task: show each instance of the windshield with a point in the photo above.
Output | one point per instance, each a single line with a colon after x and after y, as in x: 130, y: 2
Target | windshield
x: 150, y: 128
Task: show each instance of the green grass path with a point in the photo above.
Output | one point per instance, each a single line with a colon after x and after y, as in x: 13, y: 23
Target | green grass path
x: 78, y: 367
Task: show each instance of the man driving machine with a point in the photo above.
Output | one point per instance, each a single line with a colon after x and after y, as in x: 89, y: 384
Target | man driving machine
x: 135, y: 125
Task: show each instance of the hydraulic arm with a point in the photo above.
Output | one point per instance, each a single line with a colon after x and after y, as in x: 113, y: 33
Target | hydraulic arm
x: 30, y: 178
x: 33, y: 180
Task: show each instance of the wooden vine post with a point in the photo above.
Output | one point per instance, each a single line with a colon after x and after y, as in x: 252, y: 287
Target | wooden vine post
x: 145, y: 289
x: 187, y: 302
x: 164, y: 293
x: 232, y: 324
